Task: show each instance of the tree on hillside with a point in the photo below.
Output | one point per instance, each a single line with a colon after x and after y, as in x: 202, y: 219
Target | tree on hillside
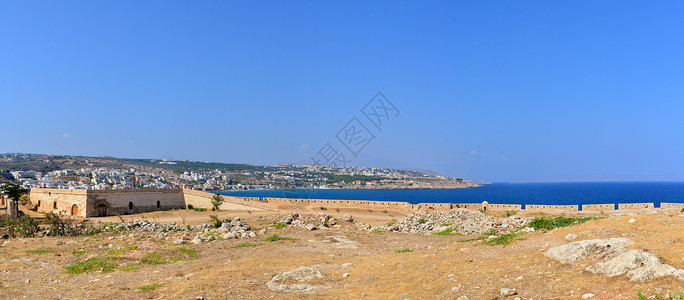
x: 14, y: 192
x: 216, y: 201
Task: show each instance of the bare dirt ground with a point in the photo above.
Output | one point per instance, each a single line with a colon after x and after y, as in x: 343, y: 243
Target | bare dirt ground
x: 430, y: 267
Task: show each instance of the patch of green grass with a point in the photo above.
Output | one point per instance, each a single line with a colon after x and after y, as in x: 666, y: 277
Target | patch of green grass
x: 384, y: 211
x: 199, y: 209
x: 324, y: 208
x: 91, y: 265
x: 129, y: 269
x: 370, y: 210
x: 377, y: 230
x: 81, y: 252
x: 422, y: 221
x: 277, y: 225
x: 503, y: 240
x: 448, y: 232
x: 245, y: 245
x: 153, y: 258
x: 479, y: 238
x: 150, y: 287
x: 276, y: 237
x: 41, y: 251
x: 189, y: 252
x: 407, y: 250
x: 545, y: 223
x: 121, y: 250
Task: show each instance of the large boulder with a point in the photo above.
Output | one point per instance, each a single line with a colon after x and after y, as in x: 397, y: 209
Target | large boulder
x: 599, y: 248
x: 639, y: 266
x: 292, y: 281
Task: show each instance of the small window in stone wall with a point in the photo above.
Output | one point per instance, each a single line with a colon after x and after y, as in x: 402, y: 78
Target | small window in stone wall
x: 54, y: 205
x: 130, y: 205
x: 158, y: 204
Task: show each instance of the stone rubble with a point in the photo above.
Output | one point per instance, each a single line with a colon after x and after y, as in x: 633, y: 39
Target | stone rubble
x: 462, y: 221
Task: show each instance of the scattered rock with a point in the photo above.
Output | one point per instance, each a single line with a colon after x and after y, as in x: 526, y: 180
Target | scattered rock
x: 638, y: 265
x: 631, y: 220
x: 581, y: 249
x: 588, y: 295
x: 508, y: 292
x: 571, y: 237
x: 463, y: 298
x: 345, y: 275
x: 402, y: 295
x: 291, y: 281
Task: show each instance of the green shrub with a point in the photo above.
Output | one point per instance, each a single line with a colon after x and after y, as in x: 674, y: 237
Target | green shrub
x: 545, y: 223
x: 190, y: 206
x: 422, y: 221
x: 217, y: 222
x: 91, y: 265
x: 199, y: 209
x: 23, y: 226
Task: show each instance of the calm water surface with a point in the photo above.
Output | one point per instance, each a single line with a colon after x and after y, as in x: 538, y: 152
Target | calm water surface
x: 506, y: 193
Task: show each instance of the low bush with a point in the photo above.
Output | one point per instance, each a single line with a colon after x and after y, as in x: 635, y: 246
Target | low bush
x: 545, y: 223
x: 407, y: 250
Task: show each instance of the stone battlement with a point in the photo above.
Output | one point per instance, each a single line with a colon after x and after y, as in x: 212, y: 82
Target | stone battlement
x: 93, y: 203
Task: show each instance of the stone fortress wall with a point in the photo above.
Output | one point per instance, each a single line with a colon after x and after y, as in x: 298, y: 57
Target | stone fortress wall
x: 93, y: 203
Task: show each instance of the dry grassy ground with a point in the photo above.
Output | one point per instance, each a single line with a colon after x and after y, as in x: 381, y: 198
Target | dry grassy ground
x: 434, y: 267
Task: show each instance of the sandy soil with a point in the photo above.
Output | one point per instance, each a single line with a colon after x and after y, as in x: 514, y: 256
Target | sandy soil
x: 439, y: 267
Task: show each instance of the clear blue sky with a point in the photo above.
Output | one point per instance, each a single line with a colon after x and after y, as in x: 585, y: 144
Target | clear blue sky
x: 491, y: 90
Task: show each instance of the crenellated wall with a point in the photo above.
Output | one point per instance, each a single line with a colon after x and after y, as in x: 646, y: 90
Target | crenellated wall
x: 93, y: 203
x: 552, y: 208
x: 598, y: 207
x: 678, y: 206
x: 623, y: 206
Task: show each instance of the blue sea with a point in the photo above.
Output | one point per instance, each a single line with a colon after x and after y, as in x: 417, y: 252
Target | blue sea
x: 569, y: 193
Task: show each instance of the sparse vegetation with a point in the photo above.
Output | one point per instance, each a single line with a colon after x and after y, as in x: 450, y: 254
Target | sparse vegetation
x: 245, y: 245
x: 121, y: 250
x: 129, y: 269
x: 503, y: 240
x: 105, y: 265
x: 545, y: 223
x: 187, y: 251
x: 40, y: 251
x: 407, y: 250
x: 150, y: 287
x: 277, y: 225
x: 154, y: 258
x: 217, y: 222
x: 216, y: 201
x: 81, y: 252
x: 276, y: 237
x: 190, y: 206
x: 511, y: 213
x: 323, y: 208
x: 422, y: 221
x: 448, y: 232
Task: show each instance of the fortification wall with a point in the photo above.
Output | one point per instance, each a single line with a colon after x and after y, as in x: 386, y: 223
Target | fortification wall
x: 203, y: 200
x: 677, y: 206
x: 623, y: 206
x: 503, y: 207
x: 60, y: 201
x: 553, y: 208
x: 122, y: 202
x: 287, y: 203
x: 598, y: 207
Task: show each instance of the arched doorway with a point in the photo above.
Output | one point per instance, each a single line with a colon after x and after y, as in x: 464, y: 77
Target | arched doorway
x: 102, y: 210
x: 74, y: 210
